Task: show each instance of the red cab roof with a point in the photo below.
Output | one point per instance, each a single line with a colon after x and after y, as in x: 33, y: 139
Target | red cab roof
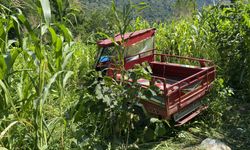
x: 129, y: 38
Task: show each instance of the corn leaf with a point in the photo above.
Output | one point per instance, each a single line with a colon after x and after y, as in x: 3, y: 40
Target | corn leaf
x: 67, y: 34
x: 47, y: 87
x: 3, y: 67
x: 6, y: 93
x: 67, y: 76
x: 46, y: 10
x: 60, y: 5
x: 7, y: 129
x: 53, y: 35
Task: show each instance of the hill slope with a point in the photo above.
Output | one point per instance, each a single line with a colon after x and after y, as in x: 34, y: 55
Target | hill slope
x: 156, y: 10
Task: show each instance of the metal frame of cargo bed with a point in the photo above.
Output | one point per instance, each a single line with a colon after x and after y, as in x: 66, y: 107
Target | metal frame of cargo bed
x: 179, y: 99
x: 176, y: 101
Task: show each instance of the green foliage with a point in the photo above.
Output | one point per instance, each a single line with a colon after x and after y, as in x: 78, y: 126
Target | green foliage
x: 50, y: 98
x: 32, y: 67
x: 230, y: 28
x: 109, y: 107
x: 219, y: 101
x: 82, y: 59
x: 186, y: 38
x: 159, y: 10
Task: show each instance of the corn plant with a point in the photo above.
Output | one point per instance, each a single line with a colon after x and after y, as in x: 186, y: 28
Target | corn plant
x: 31, y: 66
x: 229, y: 28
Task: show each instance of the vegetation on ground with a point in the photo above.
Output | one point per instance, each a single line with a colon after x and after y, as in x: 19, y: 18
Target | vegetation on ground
x: 51, y: 98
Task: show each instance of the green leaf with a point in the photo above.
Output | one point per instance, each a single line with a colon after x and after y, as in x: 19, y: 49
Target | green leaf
x: 47, y: 87
x: 3, y: 148
x: 74, y: 16
x: 59, y: 44
x: 46, y: 10
x: 246, y: 17
x: 67, y: 34
x: 66, y: 59
x: 149, y: 93
x: 98, y: 92
x: 67, y: 76
x: 6, y: 93
x: 53, y: 35
x: 154, y: 120
x: 7, y: 129
x: 26, y: 23
x: 67, y: 54
x: 160, y: 129
x: 17, y: 29
x: 60, y: 5
x: 3, y: 67
x: 10, y: 42
x: 52, y: 125
x: 5, y: 8
x: 44, y: 29
x: 38, y: 52
x: 58, y: 50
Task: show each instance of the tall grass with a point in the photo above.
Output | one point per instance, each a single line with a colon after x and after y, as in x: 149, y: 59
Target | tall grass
x: 32, y: 67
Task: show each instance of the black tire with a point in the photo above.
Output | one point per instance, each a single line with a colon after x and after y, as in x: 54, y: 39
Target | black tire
x: 143, y: 118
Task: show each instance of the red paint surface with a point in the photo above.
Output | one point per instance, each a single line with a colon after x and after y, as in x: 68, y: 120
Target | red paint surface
x: 129, y: 38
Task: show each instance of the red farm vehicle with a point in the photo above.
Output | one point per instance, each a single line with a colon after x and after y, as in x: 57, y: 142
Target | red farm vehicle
x: 183, y: 81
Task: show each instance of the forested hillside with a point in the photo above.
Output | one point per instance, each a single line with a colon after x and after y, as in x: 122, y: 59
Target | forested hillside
x: 157, y: 10
x: 56, y: 92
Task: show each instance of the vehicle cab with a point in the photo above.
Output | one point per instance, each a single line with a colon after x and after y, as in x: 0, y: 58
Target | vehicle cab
x: 139, y: 42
